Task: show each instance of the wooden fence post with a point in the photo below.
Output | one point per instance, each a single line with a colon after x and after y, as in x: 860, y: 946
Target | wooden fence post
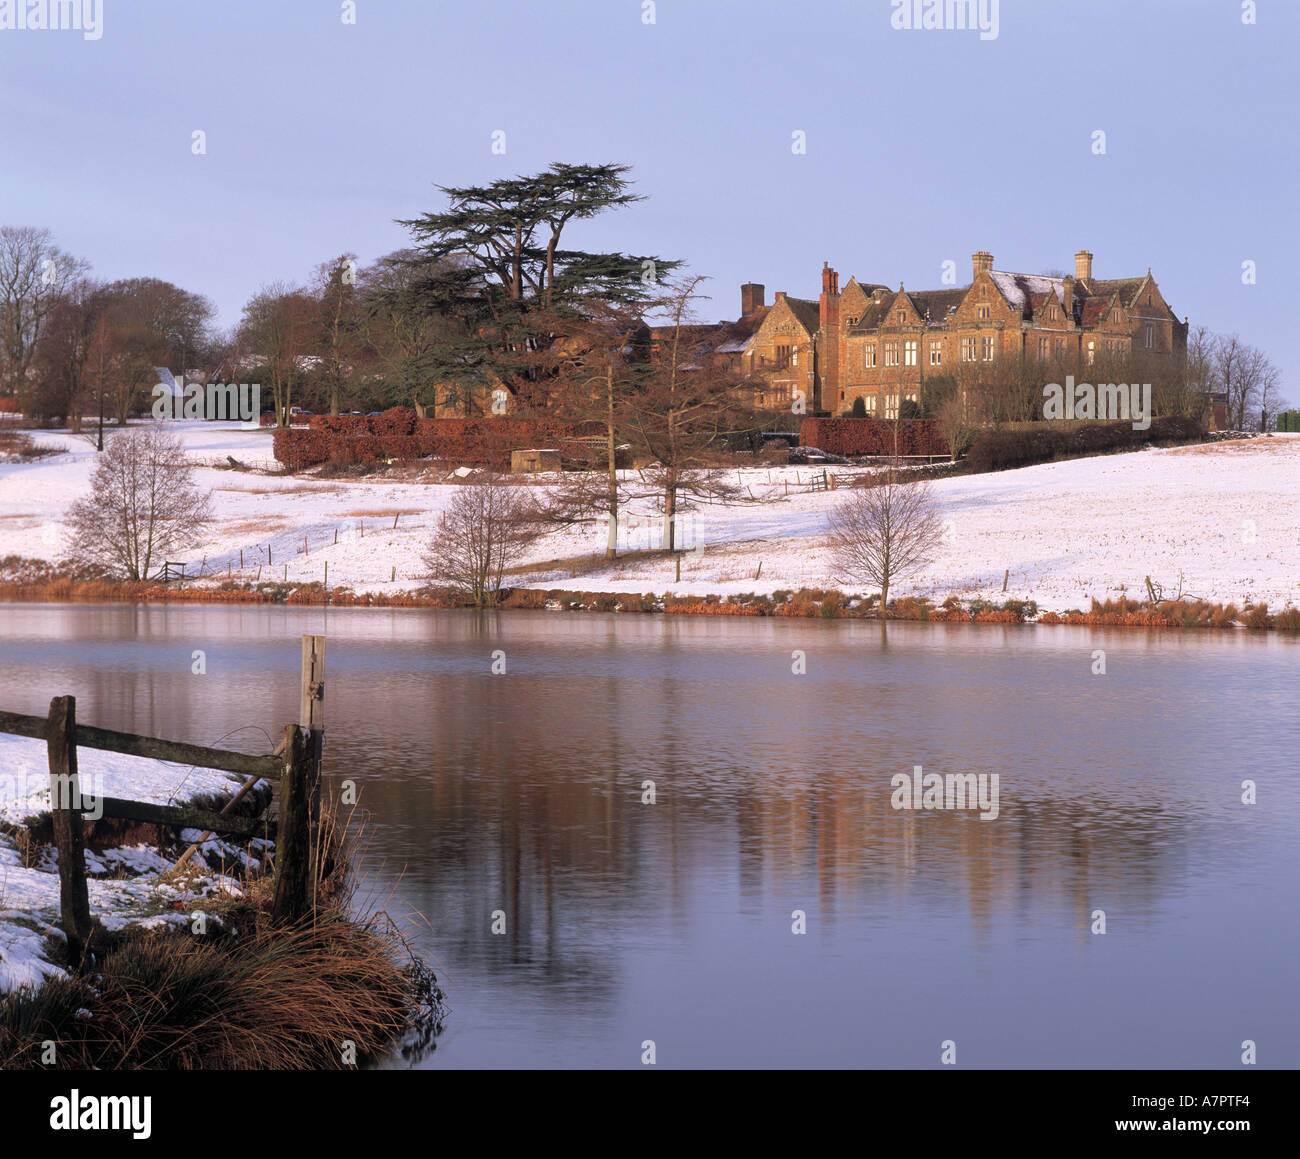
x: 311, y: 716
x: 293, y: 872
x: 65, y: 812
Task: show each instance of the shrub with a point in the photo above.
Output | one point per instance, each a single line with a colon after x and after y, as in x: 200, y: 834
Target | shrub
x: 1007, y: 447
x: 864, y: 436
x: 1288, y: 619
x: 1257, y: 616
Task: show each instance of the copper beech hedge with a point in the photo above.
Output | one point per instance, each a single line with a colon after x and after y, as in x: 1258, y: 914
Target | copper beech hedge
x: 873, y: 436
x: 398, y: 434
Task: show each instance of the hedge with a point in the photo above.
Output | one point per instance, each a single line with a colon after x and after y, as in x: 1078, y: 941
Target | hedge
x: 997, y: 450
x: 850, y: 436
x: 398, y: 434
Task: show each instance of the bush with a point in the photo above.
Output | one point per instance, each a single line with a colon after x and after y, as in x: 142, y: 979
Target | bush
x: 1007, y: 447
x: 862, y: 436
x: 398, y: 434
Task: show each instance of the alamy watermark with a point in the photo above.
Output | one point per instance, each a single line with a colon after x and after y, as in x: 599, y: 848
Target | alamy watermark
x: 925, y: 791
x: 650, y: 532
x: 214, y: 401
x: 43, y: 791
x: 84, y: 16
x: 1106, y: 400
x: 946, y: 15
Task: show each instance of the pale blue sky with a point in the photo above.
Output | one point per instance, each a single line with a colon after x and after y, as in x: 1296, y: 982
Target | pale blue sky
x: 921, y: 146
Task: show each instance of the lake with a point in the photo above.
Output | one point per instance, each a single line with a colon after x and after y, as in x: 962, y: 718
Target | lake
x: 520, y: 800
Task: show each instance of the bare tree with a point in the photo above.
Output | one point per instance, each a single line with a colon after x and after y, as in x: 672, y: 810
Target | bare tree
x: 143, y: 504
x: 34, y: 275
x: 1247, y: 376
x: 336, y: 323
x: 683, y: 407
x: 487, y: 528
x: 277, y: 330
x: 56, y: 384
x: 884, y: 529
x: 955, y: 424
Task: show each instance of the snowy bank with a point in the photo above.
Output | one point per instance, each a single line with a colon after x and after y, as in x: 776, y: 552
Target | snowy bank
x: 1221, y: 516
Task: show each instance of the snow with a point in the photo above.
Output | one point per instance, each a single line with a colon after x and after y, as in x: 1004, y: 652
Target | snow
x: 1013, y: 286
x: 1221, y: 515
x: 25, y: 779
x: 29, y: 893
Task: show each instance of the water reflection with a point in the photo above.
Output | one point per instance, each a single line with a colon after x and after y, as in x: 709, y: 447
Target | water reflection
x: 519, y: 797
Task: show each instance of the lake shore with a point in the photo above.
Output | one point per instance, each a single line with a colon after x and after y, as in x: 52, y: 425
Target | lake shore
x: 802, y: 604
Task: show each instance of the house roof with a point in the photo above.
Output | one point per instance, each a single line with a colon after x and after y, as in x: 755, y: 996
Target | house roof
x: 808, y: 313
x: 936, y: 305
x: 733, y: 337
x: 1126, y: 288
x: 1019, y: 289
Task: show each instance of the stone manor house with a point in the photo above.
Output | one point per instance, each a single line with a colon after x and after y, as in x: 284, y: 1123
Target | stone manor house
x: 870, y: 342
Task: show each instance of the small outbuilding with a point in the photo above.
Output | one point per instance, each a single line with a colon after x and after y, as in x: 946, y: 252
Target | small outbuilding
x: 534, y: 460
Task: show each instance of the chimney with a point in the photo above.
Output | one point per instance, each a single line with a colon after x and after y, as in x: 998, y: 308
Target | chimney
x: 780, y: 297
x: 752, y: 295
x: 1083, y: 266
x: 981, y: 262
x: 1067, y: 292
x: 826, y: 392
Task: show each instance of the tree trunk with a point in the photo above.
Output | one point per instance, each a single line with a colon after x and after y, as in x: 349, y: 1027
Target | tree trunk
x: 611, y: 542
x: 670, y: 509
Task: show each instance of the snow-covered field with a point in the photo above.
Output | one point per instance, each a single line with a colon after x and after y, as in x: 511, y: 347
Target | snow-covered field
x: 1219, y: 519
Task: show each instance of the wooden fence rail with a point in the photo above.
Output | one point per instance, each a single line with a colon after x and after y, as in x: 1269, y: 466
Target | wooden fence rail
x: 297, y: 769
x: 89, y: 737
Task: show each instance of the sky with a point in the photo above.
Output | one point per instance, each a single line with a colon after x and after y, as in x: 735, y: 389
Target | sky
x: 920, y: 146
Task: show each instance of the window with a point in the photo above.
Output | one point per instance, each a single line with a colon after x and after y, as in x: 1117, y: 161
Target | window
x: 794, y: 356
x: 1092, y: 351
x: 891, y: 353
x: 968, y: 349
x: 936, y: 354
x: 984, y: 312
x: 1060, y: 348
x: 909, y: 353
x: 986, y: 349
x: 1149, y: 336
x: 782, y: 354
x: 869, y: 355
x: 870, y: 402
x: 891, y: 406
x: 1042, y: 347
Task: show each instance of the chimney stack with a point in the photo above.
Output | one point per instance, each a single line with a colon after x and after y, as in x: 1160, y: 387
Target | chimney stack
x: 1083, y: 266
x: 826, y: 392
x: 1067, y: 292
x: 752, y: 297
x: 981, y: 262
